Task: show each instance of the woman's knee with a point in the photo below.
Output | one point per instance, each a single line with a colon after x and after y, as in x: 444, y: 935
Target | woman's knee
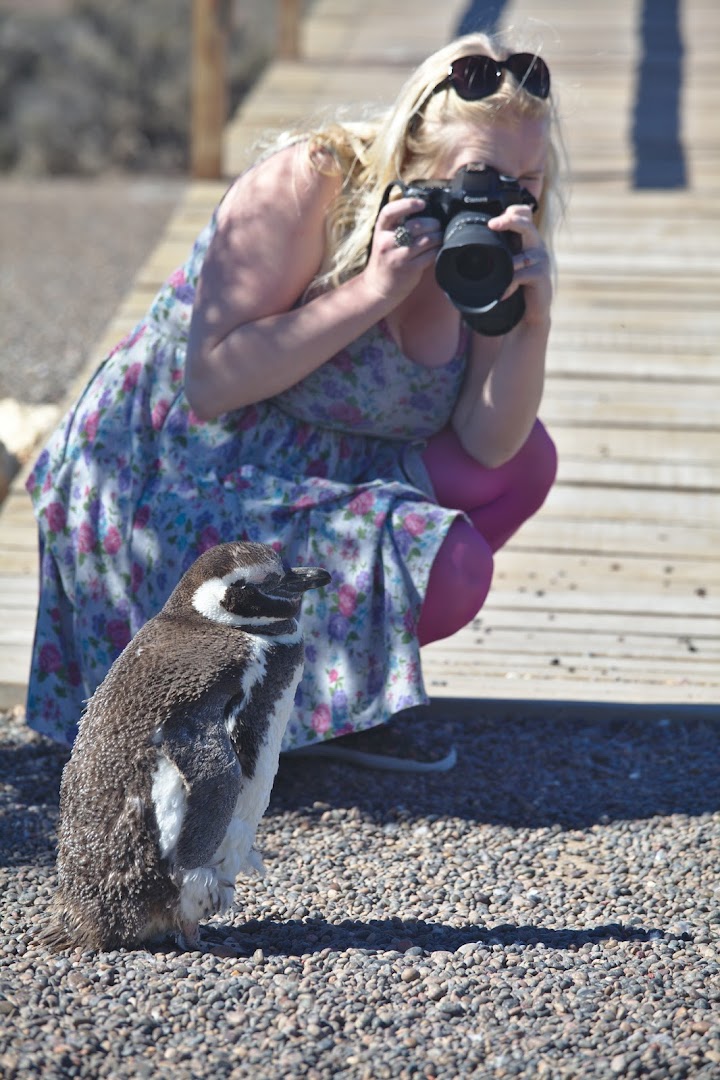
x: 459, y: 582
x: 539, y: 462
x: 461, y: 482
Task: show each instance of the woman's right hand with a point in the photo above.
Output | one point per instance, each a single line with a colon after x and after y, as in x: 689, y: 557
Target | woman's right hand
x: 393, y: 270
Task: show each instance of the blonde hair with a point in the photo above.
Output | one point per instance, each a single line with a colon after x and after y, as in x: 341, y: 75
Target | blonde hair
x: 407, y: 142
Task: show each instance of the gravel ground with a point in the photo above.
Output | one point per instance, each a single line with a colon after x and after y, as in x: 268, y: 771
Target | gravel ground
x: 69, y: 250
x: 550, y: 908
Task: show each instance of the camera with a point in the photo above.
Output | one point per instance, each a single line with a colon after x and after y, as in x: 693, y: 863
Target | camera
x: 474, y: 265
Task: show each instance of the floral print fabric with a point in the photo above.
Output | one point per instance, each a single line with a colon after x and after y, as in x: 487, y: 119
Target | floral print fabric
x: 132, y: 487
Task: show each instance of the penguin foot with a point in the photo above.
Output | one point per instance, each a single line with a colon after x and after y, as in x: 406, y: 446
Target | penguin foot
x: 216, y: 949
x: 204, y: 893
x: 188, y: 937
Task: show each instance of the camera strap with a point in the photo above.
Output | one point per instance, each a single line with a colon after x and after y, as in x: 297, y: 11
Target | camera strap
x: 383, y: 203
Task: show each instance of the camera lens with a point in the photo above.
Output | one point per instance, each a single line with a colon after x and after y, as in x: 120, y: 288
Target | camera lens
x: 474, y: 265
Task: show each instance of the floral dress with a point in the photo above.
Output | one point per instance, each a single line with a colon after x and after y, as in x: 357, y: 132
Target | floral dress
x: 132, y: 487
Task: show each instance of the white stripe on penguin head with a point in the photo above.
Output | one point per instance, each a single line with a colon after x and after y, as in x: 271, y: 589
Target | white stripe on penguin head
x: 208, y: 597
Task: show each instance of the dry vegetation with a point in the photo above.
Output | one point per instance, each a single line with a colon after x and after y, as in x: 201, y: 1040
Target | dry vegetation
x: 91, y: 86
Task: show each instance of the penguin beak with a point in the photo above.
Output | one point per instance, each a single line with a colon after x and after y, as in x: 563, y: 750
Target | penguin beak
x: 298, y: 580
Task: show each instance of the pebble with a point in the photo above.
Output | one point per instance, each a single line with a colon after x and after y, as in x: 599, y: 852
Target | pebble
x: 577, y: 936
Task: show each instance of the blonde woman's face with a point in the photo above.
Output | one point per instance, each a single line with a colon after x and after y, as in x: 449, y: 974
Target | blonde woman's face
x: 515, y: 147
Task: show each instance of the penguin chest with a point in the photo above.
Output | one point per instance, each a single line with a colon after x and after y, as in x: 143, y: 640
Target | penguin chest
x: 252, y: 802
x: 256, y: 728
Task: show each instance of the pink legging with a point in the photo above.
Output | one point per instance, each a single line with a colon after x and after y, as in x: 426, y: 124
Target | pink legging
x: 497, y: 502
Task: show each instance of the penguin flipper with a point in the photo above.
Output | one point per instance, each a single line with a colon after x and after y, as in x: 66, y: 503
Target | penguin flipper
x: 212, y: 779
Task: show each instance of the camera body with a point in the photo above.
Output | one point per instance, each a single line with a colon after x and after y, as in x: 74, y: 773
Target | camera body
x: 474, y: 265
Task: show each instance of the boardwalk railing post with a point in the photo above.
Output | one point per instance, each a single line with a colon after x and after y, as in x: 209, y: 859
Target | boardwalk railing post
x: 288, y: 47
x: 209, y: 96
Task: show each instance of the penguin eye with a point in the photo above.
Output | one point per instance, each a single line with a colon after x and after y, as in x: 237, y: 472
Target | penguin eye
x: 234, y: 595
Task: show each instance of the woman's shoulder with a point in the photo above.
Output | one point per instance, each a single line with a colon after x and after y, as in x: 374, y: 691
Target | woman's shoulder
x: 297, y: 177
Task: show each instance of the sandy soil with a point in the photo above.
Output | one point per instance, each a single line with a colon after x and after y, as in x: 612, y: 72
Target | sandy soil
x: 69, y: 250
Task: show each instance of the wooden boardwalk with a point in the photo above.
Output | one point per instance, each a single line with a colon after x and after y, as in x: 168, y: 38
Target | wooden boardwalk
x: 612, y: 593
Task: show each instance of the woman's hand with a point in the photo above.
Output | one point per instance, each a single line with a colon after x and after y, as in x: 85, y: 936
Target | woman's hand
x: 531, y: 264
x: 393, y: 270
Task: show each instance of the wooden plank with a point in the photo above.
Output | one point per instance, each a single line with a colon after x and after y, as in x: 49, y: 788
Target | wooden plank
x: 585, y: 505
x: 561, y: 687
x: 497, y: 646
x: 21, y: 634
x: 615, y: 600
x: 567, y: 650
x: 556, y: 696
x: 632, y: 651
x: 17, y: 591
x: 21, y: 564
x: 568, y: 357
x: 686, y: 670
x: 671, y: 540
x: 586, y: 572
x: 606, y: 335
x: 638, y: 445
x: 633, y: 474
x: 15, y: 665
x: 16, y: 505
x: 652, y: 404
x: 656, y: 626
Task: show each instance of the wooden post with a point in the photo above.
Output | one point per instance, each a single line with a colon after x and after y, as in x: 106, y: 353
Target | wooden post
x: 209, y: 95
x: 288, y: 47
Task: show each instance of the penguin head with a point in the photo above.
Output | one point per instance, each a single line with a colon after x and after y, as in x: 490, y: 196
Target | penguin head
x: 248, y: 586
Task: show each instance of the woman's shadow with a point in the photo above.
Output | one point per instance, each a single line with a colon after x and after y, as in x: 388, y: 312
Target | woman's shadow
x: 530, y: 766
x: 571, y: 767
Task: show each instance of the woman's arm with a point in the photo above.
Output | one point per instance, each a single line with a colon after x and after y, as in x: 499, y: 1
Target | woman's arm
x: 247, y: 341
x: 500, y: 398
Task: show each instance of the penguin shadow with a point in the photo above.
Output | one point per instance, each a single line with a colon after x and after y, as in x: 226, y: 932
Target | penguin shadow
x: 312, y: 935
x: 522, y: 764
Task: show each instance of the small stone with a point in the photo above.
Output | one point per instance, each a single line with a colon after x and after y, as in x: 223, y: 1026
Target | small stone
x: 410, y: 974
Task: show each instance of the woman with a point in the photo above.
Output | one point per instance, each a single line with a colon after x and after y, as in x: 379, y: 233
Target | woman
x: 303, y: 380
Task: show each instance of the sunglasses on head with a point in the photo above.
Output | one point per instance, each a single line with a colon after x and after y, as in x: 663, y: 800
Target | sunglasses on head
x: 476, y: 77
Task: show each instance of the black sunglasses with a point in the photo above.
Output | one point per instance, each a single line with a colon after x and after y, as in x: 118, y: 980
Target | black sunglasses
x: 476, y: 77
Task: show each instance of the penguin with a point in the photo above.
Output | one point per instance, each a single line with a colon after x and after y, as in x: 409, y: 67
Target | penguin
x: 176, y: 755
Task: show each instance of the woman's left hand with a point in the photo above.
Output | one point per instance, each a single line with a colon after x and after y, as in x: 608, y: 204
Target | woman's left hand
x: 531, y: 264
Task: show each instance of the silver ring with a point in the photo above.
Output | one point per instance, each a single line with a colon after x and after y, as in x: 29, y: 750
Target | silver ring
x: 403, y: 236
